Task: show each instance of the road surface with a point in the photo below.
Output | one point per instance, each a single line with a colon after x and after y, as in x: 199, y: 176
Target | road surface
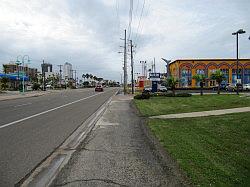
x: 31, y: 128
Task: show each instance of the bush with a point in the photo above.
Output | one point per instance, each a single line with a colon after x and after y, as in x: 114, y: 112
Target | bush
x: 160, y: 94
x: 183, y: 95
x: 36, y: 86
x: 142, y: 96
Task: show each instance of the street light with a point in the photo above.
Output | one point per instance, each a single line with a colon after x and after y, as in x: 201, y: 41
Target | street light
x: 23, y: 68
x: 18, y: 63
x: 241, y: 31
x: 167, y: 66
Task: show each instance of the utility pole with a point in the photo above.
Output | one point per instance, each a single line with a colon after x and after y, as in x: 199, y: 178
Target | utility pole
x: 125, y: 62
x: 75, y: 77
x: 154, y: 66
x: 60, y: 78
x: 125, y: 74
x: 132, y: 66
x: 43, y: 73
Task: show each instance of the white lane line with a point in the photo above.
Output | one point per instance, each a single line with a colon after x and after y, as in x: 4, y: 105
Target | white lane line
x: 22, y: 105
x: 44, y: 112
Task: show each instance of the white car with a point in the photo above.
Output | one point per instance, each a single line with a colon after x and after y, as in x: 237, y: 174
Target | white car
x: 162, y: 89
x: 246, y: 86
x: 147, y: 89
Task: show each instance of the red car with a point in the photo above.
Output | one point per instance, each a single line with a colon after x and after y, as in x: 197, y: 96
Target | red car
x: 98, y: 88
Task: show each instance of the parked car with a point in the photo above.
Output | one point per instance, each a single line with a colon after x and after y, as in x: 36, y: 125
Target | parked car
x: 233, y: 87
x: 162, y: 89
x: 99, y: 88
x: 246, y: 86
x: 147, y: 89
x: 48, y: 86
x: 222, y: 87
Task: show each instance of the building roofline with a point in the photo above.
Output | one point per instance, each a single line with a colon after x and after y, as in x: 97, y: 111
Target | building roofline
x: 210, y: 59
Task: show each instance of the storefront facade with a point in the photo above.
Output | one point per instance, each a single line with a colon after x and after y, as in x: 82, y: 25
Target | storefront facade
x: 184, y: 70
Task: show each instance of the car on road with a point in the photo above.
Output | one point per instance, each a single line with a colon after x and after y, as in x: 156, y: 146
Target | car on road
x: 99, y: 88
x: 246, y: 87
x: 162, y: 89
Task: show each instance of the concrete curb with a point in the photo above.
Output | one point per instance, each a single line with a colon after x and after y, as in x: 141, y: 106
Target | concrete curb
x: 46, y: 172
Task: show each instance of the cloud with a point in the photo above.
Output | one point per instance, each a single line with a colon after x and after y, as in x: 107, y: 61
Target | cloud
x: 87, y: 33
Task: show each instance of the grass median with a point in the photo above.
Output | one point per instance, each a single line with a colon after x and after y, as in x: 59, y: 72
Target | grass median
x: 211, y: 150
x: 172, y: 105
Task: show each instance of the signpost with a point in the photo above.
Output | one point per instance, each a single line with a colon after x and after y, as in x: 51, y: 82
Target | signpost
x: 155, y: 78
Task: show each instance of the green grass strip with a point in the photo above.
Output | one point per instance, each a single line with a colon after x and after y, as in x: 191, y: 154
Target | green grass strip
x: 211, y: 150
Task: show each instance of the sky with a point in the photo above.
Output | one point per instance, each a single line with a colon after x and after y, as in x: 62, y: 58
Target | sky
x: 88, y: 33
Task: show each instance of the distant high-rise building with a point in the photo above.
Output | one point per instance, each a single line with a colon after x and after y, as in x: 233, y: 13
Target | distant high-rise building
x: 67, y: 71
x: 47, y: 69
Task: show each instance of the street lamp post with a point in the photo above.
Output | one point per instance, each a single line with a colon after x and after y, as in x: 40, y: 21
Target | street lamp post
x: 18, y: 63
x: 241, y: 31
x: 23, y: 69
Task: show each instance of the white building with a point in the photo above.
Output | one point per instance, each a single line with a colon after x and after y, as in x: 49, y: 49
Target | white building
x: 67, y: 71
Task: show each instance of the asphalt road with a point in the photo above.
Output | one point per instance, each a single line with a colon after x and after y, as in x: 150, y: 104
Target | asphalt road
x: 31, y: 128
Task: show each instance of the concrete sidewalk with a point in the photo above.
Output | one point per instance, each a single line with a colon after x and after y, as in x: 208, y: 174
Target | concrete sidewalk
x: 117, y: 153
x: 203, y: 113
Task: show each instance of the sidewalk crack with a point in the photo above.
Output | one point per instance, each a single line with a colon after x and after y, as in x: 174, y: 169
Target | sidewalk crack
x: 89, y: 180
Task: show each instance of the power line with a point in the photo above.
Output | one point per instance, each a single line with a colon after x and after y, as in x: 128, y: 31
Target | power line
x: 117, y: 13
x: 130, y: 18
x: 140, y: 19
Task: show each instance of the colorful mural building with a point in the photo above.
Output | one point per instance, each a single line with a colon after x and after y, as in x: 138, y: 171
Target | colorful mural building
x: 184, y: 70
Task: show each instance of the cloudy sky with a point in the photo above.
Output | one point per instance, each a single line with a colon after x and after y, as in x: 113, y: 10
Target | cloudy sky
x: 87, y: 33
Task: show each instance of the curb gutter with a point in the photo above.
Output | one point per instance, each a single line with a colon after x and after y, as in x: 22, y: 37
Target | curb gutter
x: 46, y: 172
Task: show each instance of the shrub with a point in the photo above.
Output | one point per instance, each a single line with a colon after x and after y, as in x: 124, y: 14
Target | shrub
x: 183, y: 95
x: 35, y: 86
x: 160, y: 94
x: 142, y: 96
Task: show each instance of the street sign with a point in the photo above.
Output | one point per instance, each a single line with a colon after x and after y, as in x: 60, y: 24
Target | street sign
x: 238, y: 81
x: 154, y: 76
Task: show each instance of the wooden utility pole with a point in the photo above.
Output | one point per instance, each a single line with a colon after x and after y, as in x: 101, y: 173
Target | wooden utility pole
x: 132, y: 66
x: 43, y: 73
x: 125, y: 64
x: 60, y: 78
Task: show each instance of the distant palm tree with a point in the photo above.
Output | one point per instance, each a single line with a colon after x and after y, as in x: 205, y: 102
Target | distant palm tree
x: 83, y: 76
x: 172, y: 82
x: 200, y: 78
x: 87, y: 76
x: 219, y: 76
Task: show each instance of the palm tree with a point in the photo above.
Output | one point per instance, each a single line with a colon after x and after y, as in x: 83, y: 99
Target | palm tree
x: 201, y: 79
x: 87, y: 76
x: 172, y: 82
x: 83, y: 76
x: 90, y: 76
x: 5, y: 69
x: 219, y: 76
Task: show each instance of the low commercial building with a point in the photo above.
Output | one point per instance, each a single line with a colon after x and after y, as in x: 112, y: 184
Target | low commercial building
x: 185, y: 69
x: 12, y: 67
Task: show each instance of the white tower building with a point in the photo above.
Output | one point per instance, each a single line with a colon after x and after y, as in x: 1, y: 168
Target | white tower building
x: 67, y: 71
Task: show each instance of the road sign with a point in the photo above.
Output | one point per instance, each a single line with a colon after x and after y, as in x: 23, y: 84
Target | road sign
x: 154, y: 76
